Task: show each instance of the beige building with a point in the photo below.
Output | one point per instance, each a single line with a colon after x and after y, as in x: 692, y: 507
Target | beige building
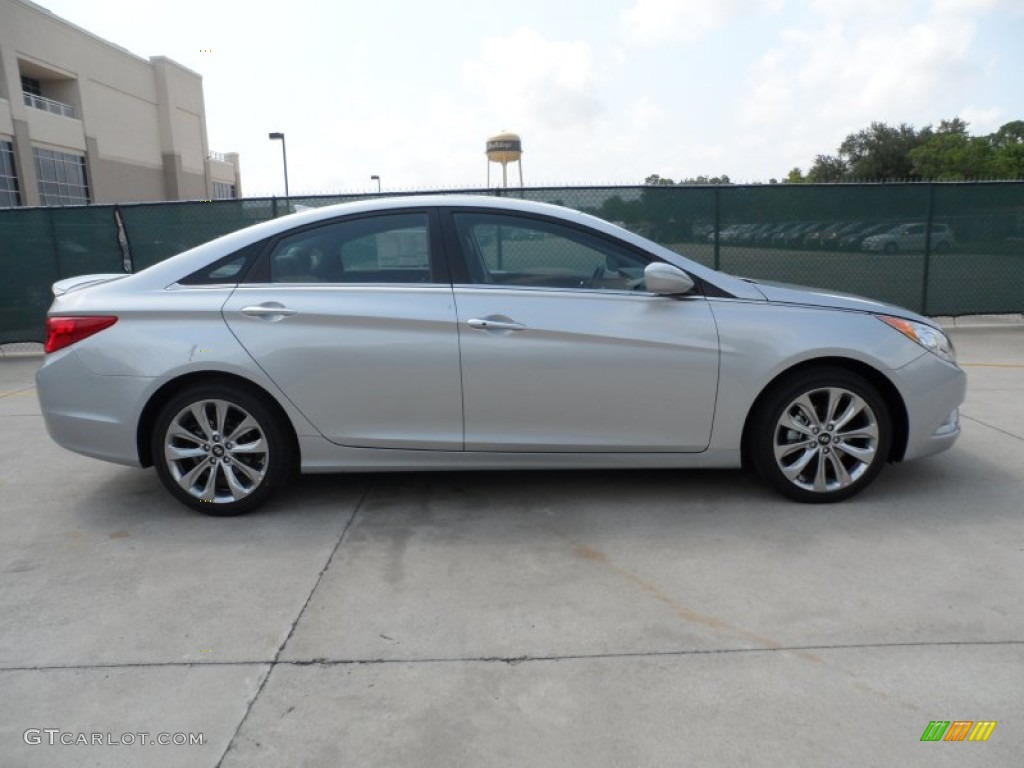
x: 85, y: 121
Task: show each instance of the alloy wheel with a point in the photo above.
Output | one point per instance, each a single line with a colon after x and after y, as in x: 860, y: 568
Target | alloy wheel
x: 216, y: 451
x: 826, y: 439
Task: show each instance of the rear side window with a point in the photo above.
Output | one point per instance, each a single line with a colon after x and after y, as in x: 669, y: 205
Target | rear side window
x: 229, y: 270
x: 393, y: 248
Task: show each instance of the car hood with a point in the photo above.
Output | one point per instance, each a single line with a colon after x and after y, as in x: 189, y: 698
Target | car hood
x: 784, y: 293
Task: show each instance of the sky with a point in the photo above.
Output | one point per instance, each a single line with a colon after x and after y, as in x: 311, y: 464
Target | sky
x: 601, y: 91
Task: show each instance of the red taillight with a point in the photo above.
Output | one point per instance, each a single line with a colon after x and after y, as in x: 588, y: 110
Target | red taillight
x: 64, y: 331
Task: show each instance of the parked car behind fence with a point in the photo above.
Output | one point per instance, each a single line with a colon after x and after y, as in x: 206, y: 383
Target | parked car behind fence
x: 910, y: 237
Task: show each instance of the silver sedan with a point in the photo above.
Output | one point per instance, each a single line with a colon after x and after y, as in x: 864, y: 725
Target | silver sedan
x: 461, y: 332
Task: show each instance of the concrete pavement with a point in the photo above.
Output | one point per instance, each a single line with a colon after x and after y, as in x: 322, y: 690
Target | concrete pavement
x: 542, y: 619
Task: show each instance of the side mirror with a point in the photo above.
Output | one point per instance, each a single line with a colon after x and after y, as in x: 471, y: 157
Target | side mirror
x: 666, y: 280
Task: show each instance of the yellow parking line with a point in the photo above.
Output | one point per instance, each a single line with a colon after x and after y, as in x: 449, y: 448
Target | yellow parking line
x: 19, y: 393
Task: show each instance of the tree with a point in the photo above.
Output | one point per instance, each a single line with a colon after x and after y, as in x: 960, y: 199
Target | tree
x: 827, y: 168
x: 956, y: 125
x: 1008, y: 151
x: 947, y: 152
x: 1009, y: 135
x: 723, y: 179
x: 882, y: 151
x: 953, y: 156
x: 617, y: 209
x: 654, y: 180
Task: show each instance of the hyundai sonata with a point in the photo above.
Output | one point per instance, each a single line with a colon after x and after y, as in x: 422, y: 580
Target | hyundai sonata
x: 462, y: 332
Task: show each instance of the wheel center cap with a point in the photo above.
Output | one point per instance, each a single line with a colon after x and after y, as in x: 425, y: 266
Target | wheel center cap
x: 824, y: 438
x: 218, y: 451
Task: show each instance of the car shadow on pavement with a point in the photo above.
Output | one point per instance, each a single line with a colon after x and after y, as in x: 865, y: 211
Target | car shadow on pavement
x: 961, y: 479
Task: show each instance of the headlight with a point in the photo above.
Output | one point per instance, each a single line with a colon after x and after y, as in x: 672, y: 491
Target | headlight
x: 927, y: 336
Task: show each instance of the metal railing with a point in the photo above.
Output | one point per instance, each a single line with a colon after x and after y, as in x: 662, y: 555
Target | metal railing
x: 48, y: 105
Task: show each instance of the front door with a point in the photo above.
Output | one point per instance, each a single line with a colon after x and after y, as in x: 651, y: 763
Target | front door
x: 564, y: 350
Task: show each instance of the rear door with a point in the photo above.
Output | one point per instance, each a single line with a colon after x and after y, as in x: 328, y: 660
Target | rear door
x: 354, y: 320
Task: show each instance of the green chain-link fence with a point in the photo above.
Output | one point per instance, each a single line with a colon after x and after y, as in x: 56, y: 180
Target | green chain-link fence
x: 940, y: 249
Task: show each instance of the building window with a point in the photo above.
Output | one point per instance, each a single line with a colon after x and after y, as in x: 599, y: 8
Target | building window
x: 62, y: 178
x: 31, y: 85
x: 223, y: 191
x: 9, y: 193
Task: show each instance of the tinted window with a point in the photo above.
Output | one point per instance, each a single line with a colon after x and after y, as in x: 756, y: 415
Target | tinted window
x: 230, y: 269
x: 377, y: 249
x: 518, y: 250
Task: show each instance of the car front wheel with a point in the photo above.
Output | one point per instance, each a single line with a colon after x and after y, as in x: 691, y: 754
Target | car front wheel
x: 220, y: 449
x: 820, y: 436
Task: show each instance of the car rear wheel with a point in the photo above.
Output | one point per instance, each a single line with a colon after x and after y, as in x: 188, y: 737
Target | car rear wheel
x: 820, y: 436
x: 220, y: 449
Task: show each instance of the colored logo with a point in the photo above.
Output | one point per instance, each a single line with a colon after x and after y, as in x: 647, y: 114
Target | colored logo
x: 958, y: 730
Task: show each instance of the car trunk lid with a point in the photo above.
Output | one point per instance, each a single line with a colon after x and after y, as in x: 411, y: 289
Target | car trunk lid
x: 71, y: 284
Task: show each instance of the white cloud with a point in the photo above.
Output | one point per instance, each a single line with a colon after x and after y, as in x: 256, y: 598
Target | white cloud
x: 645, y: 115
x: 445, y: 137
x: 850, y: 62
x: 744, y: 87
x: 525, y: 79
x: 771, y: 97
x: 970, y: 6
x: 656, y: 21
x: 983, y: 119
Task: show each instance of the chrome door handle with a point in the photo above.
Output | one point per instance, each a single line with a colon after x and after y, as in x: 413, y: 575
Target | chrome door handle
x: 267, y: 310
x: 486, y: 324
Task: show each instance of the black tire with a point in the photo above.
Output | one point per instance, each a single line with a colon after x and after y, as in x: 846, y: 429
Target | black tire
x: 891, y: 247
x: 812, y: 459
x: 247, y: 474
x: 942, y: 246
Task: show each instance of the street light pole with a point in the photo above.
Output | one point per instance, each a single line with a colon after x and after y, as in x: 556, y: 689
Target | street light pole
x: 284, y: 157
x: 377, y: 179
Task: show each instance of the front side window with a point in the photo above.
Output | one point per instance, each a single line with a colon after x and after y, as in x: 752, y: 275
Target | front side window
x: 10, y: 195
x: 62, y: 177
x: 393, y: 248
x: 504, y: 249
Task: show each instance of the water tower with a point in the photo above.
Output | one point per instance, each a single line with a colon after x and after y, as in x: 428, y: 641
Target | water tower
x: 504, y: 148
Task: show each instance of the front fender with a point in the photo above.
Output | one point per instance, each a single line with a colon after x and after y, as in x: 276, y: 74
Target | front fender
x: 760, y: 342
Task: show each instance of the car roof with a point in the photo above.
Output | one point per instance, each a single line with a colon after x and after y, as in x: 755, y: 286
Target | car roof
x: 171, y: 270
x: 184, y: 263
